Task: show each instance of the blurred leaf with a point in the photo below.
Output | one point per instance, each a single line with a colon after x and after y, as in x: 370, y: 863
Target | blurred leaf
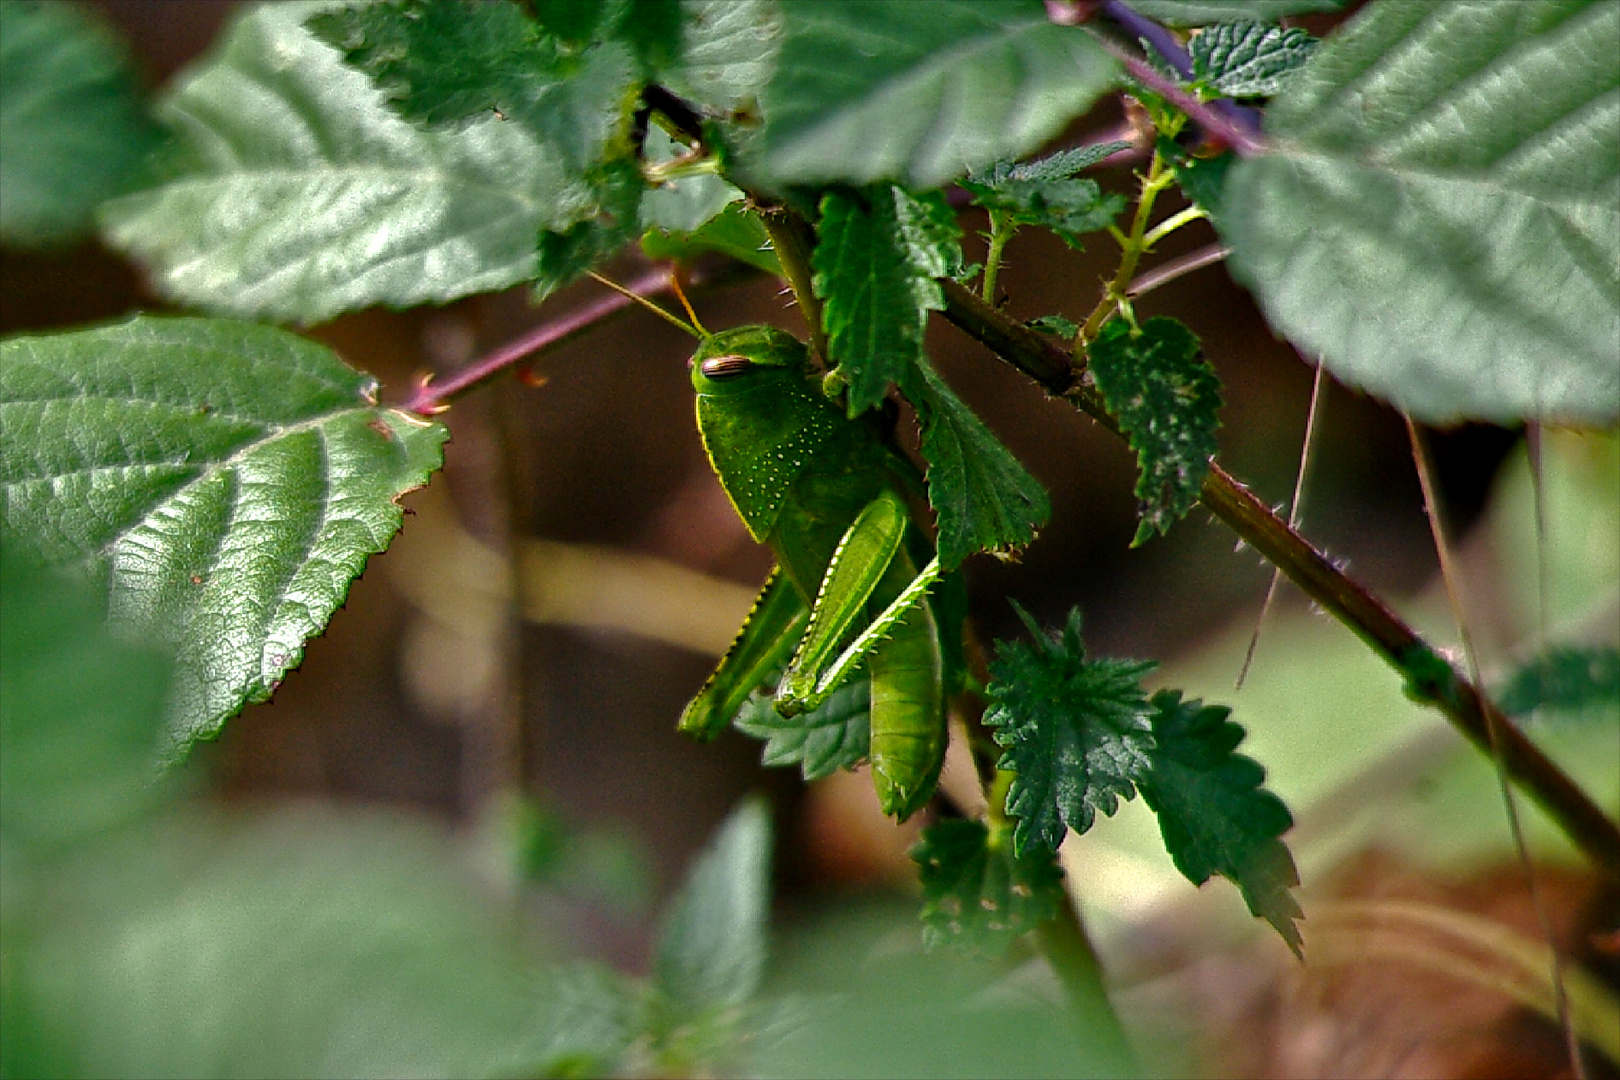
x: 1058, y: 166
x: 83, y: 711
x: 728, y: 52
x: 593, y: 1016
x: 1214, y: 815
x: 977, y: 895
x: 1056, y: 325
x: 562, y: 255
x: 920, y: 93
x: 983, y: 498
x: 735, y: 231
x: 1204, y: 12
x: 712, y: 945
x: 878, y: 253
x: 72, y: 129
x: 1076, y: 732
x: 1248, y: 59
x: 298, y: 194
x: 440, y: 63
x: 836, y: 735
x: 1439, y: 214
x: 228, y: 480
x: 1202, y: 180
x: 1565, y: 679
x: 1164, y: 395
x: 1070, y: 208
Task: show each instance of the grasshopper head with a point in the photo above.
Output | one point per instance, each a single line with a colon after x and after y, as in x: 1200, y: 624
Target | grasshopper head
x: 733, y: 360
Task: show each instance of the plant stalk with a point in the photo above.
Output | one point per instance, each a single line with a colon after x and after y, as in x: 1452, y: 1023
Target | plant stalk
x: 1430, y: 678
x: 794, y: 239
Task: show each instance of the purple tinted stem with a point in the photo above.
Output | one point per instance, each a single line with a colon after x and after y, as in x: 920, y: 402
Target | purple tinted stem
x: 431, y: 396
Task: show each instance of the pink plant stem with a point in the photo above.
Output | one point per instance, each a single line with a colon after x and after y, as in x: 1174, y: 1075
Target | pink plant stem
x: 1177, y: 267
x: 432, y: 397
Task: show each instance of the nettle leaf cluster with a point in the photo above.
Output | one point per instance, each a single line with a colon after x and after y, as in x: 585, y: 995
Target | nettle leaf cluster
x: 1403, y: 209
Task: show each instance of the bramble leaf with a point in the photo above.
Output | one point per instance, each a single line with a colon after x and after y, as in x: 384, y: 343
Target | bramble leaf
x: 1075, y: 731
x: 977, y: 895
x: 1441, y: 236
x: 866, y: 90
x: 983, y: 498
x: 1204, y: 12
x: 1214, y: 815
x: 1248, y: 59
x: 878, y: 253
x: 1164, y: 395
x: 1565, y: 678
x: 72, y: 130
x: 836, y: 735
x: 711, y: 948
x: 442, y: 63
x: 228, y: 481
x: 298, y: 194
x: 728, y: 52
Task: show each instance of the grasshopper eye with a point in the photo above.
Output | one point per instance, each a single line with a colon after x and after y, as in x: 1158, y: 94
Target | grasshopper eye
x: 725, y: 367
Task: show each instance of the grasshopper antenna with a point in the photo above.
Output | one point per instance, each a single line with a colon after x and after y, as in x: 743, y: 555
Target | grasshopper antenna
x: 680, y: 294
x: 696, y: 331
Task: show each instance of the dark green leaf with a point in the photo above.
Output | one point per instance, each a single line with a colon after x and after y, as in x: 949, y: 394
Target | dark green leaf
x: 1075, y: 731
x: 878, y: 254
x: 572, y: 21
x: 440, y: 63
x: 1248, y: 59
x: 228, y: 480
x: 712, y: 945
x: 1203, y: 180
x: 1204, y: 12
x: 835, y: 736
x: 71, y: 126
x: 735, y: 231
x: 1058, y: 166
x: 1056, y: 325
x: 300, y: 194
x: 1071, y: 208
x: 1564, y: 679
x: 1213, y: 813
x: 1439, y: 214
x: 983, y: 498
x: 563, y: 255
x: 83, y: 716
x: 652, y: 29
x: 920, y: 93
x: 1164, y: 395
x: 977, y: 895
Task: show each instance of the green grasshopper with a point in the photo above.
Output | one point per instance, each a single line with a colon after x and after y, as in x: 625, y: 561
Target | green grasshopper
x: 847, y: 597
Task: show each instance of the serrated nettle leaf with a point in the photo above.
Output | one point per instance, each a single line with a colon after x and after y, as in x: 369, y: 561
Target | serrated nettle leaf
x: 978, y: 896
x: 878, y: 253
x: 1071, y: 208
x: 228, y: 481
x: 920, y: 93
x: 1213, y: 813
x: 1248, y: 59
x: 1058, y: 166
x: 1075, y: 731
x: 298, y: 194
x: 1564, y: 679
x: 711, y: 948
x: 441, y: 63
x: 562, y: 255
x: 983, y: 497
x: 1439, y: 213
x: 1204, y: 12
x: 1157, y: 384
x: 836, y: 735
x: 72, y: 130
x: 735, y: 231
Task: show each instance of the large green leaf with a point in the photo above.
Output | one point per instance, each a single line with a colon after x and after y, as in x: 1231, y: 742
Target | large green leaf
x: 228, y: 480
x: 71, y: 125
x: 301, y: 195
x: 1203, y: 12
x: 728, y: 52
x: 1439, y: 216
x: 920, y: 93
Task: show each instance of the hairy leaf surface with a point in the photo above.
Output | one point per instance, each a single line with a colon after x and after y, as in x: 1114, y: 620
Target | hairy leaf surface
x: 866, y: 90
x: 983, y: 497
x: 1248, y: 59
x: 1164, y: 394
x: 1076, y: 731
x: 1214, y: 815
x: 977, y: 895
x: 228, y: 480
x: 836, y: 735
x: 71, y: 125
x: 1439, y: 215
x: 1204, y: 12
x: 712, y: 946
x: 299, y: 194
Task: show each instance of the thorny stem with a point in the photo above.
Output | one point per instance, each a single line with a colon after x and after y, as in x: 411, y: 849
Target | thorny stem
x: 793, y: 239
x: 1001, y: 231
x: 1347, y: 600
